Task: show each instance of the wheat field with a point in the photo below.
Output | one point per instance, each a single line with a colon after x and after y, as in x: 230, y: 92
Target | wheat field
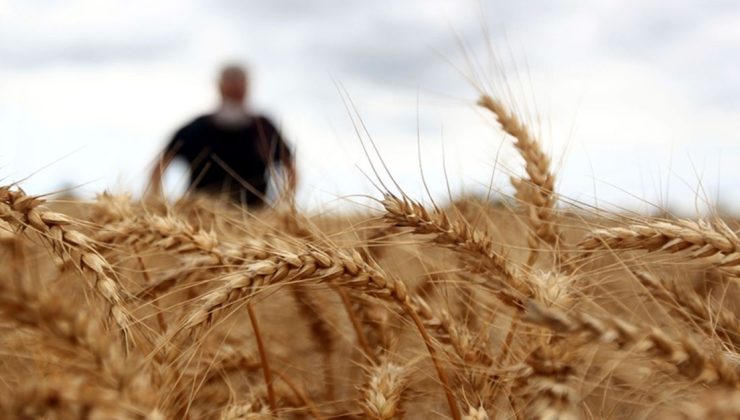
x: 525, y: 309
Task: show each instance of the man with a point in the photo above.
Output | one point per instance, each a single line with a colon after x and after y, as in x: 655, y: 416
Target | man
x: 230, y: 152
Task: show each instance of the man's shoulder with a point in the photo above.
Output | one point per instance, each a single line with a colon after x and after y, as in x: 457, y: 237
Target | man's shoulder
x: 199, y: 122
x: 263, y: 121
x: 194, y: 130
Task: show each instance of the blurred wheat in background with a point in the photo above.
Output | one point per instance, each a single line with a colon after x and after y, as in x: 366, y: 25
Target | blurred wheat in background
x: 472, y: 309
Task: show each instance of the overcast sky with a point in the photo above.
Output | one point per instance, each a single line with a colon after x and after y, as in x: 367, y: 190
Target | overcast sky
x: 638, y: 101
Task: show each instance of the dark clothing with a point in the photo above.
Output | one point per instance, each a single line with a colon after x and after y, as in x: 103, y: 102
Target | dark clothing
x: 230, y: 160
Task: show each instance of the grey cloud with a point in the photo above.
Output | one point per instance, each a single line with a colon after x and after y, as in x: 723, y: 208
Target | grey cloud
x: 647, y: 29
x: 288, y: 10
x: 374, y: 41
x: 678, y: 40
x: 25, y: 55
x: 32, y: 36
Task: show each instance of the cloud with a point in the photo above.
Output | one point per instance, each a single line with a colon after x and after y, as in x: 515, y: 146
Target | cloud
x: 694, y: 44
x: 380, y: 42
x: 86, y: 32
x: 87, y: 52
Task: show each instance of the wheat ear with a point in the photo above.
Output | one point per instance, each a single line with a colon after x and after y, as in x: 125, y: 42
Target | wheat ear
x: 537, y: 190
x: 331, y: 267
x: 382, y: 394
x: 689, y: 360
x: 476, y: 413
x: 717, y: 404
x: 65, y: 397
x: 461, y: 238
x: 715, y: 322
x: 22, y: 211
x: 246, y: 411
x: 469, y: 349
x: 714, y: 243
x: 126, y: 373
x: 549, y: 390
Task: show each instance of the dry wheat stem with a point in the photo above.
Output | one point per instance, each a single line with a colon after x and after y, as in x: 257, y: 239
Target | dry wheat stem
x: 361, y: 339
x: 301, y: 395
x: 263, y: 358
x: 320, y: 332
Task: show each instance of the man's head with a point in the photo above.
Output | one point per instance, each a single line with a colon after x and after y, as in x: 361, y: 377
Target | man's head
x: 233, y: 84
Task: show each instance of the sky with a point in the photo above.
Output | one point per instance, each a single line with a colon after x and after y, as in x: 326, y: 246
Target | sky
x: 637, y: 101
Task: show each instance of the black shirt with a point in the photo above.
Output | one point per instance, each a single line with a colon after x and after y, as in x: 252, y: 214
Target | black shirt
x: 230, y: 160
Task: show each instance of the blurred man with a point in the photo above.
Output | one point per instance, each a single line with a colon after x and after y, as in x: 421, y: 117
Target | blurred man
x: 232, y: 151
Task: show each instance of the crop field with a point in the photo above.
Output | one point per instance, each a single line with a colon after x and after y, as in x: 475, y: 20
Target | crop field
x: 470, y: 309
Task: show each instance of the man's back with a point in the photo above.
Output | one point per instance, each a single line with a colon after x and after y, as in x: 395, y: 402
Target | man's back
x: 230, y: 159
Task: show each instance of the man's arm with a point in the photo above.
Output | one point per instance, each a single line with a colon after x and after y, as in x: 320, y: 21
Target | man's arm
x: 155, y: 180
x: 177, y: 146
x: 291, y: 176
x: 277, y: 151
